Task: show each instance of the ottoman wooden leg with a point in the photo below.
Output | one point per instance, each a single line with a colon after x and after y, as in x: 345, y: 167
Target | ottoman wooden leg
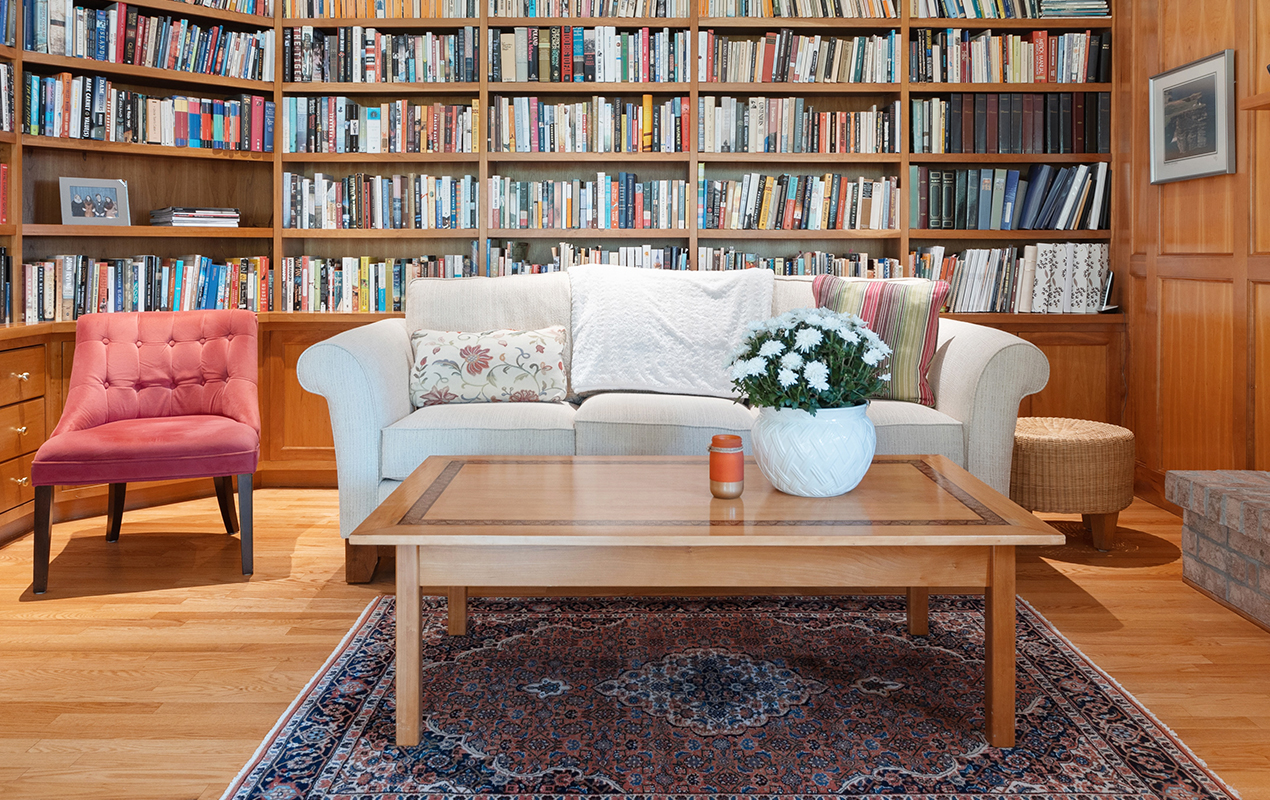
x: 1103, y: 528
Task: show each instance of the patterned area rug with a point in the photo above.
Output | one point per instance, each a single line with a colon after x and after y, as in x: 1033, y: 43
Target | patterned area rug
x: 708, y: 698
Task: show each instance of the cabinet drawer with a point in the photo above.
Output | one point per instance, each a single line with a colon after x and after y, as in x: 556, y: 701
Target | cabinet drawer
x: 21, y: 428
x: 21, y: 374
x: 15, y: 482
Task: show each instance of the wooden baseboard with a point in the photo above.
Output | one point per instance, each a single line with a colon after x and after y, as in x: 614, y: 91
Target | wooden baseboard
x: 1223, y: 602
x: 1149, y: 485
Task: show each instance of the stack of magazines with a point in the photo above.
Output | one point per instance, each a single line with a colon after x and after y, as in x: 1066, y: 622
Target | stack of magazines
x: 195, y: 217
x: 1074, y: 8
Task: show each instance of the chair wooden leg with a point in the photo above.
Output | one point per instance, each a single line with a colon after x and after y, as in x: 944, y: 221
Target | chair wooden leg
x: 114, y: 510
x: 1102, y: 528
x: 43, y: 537
x: 225, y: 497
x: 360, y: 561
x: 244, y: 505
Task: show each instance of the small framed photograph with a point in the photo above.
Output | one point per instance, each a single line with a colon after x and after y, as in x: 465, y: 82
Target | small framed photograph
x: 1193, y: 119
x: 94, y: 201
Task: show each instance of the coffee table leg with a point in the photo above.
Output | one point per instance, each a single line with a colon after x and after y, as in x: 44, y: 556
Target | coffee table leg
x: 918, y: 611
x: 456, y: 605
x: 999, y: 649
x: 409, y: 646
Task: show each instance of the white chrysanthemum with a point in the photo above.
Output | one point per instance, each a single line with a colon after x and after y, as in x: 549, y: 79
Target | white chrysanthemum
x: 873, y: 356
x: 807, y: 338
x: 848, y: 335
x: 817, y: 375
x: 772, y: 347
x: 791, y: 360
x: 740, y: 369
x: 754, y: 327
x: 886, y: 376
x: 756, y: 366
x: 787, y: 377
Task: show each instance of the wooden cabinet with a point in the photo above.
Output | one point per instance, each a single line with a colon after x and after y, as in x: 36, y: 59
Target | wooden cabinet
x: 22, y: 426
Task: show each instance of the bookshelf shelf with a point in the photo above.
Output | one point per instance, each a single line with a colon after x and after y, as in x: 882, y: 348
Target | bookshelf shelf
x: 395, y: 89
x: 928, y: 234
x: 8, y: 137
x: 143, y: 232
x: 380, y: 233
x: 724, y: 233
x: 1041, y: 23
x: 148, y: 75
x: 134, y: 149
x: 1258, y: 102
x: 8, y: 52
x: 588, y: 88
x: 939, y: 88
x: 781, y: 89
x: 382, y: 158
x: 383, y: 24
x: 8, y: 229
x: 1008, y: 158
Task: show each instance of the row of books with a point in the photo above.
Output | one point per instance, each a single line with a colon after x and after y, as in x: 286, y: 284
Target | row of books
x: 194, y: 217
x: 65, y: 287
x: 341, y: 125
x: 798, y: 202
x: 1071, y: 198
x: 574, y: 54
x: 791, y: 125
x: 787, y: 57
x: 7, y: 110
x: 121, y: 35
x: 262, y: 8
x: 365, y: 284
x: 1044, y: 278
x: 608, y: 202
x: 589, y: 8
x: 598, y: 125
x: 1007, y: 9
x: 1013, y: 122
x: 412, y: 201
x: 7, y: 287
x: 4, y: 194
x: 811, y: 262
x: 88, y: 107
x: 956, y: 55
x: 849, y: 9
x: 359, y: 54
x: 380, y: 9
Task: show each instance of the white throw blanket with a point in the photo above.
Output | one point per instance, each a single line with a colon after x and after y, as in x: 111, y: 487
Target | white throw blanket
x: 661, y: 330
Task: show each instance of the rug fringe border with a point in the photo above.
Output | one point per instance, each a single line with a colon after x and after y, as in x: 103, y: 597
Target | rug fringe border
x: 1146, y: 712
x: 286, y: 715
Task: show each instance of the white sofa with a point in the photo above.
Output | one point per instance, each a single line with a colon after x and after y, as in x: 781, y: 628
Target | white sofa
x: 979, y: 375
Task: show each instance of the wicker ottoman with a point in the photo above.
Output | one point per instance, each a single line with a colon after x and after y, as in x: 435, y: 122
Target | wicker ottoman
x: 1074, y: 466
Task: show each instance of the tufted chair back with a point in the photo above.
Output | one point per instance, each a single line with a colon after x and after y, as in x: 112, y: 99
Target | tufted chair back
x: 163, y: 364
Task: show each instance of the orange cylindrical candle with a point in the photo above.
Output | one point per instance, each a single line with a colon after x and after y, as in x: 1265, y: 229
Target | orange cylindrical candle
x: 727, y: 466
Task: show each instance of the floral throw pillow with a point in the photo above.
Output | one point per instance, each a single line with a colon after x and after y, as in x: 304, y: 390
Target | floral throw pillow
x: 487, y: 367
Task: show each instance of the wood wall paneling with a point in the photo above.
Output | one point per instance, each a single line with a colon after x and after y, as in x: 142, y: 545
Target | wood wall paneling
x: 1261, y: 375
x: 1196, y: 357
x: 1086, y: 380
x: 299, y: 427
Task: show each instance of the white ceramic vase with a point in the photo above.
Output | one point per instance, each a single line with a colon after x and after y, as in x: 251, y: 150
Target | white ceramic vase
x: 814, y: 456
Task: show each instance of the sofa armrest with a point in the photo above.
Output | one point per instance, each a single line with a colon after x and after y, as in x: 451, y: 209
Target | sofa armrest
x: 364, y: 374
x: 979, y: 376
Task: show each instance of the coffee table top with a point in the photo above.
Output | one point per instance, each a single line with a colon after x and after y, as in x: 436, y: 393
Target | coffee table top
x: 665, y: 501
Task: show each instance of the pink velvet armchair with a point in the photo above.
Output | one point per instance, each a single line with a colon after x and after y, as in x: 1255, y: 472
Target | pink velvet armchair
x: 155, y: 396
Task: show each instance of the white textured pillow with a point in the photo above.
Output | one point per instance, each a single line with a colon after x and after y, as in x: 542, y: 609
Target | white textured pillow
x: 659, y: 330
x: 487, y: 367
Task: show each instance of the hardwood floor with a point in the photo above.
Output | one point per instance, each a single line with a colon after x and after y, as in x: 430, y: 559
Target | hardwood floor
x: 153, y: 668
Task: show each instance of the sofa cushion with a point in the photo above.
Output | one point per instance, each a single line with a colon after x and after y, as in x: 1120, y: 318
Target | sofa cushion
x: 914, y: 429
x: 790, y: 292
x: 488, y: 367
x: 516, y: 302
x: 627, y: 424
x: 665, y: 331
x: 476, y: 429
x: 904, y: 312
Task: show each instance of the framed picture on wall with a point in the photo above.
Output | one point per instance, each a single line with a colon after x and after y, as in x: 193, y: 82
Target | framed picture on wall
x: 1193, y: 119
x: 94, y: 201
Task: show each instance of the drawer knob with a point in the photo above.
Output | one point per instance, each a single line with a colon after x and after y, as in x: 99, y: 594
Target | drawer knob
x: 22, y: 376
x: 21, y: 431
x: 21, y: 481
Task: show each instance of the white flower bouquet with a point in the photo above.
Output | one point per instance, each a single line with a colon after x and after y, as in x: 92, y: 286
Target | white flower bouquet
x: 809, y: 359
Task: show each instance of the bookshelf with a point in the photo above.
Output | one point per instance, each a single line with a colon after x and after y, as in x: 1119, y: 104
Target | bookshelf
x: 296, y: 445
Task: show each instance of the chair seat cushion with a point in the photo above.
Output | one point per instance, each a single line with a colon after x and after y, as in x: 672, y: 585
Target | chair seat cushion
x: 629, y: 424
x: 154, y: 449
x: 476, y: 429
x: 911, y: 428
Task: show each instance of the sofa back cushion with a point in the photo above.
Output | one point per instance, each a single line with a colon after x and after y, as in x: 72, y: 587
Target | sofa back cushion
x: 790, y: 292
x: 661, y: 330
x: 515, y: 302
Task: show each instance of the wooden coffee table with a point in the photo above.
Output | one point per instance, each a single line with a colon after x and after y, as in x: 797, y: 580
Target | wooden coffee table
x: 919, y: 522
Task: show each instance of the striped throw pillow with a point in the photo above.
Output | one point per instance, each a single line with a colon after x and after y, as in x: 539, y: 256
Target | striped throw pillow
x: 905, y: 313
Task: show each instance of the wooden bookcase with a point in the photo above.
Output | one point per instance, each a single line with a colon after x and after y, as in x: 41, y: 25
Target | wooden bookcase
x: 297, y: 447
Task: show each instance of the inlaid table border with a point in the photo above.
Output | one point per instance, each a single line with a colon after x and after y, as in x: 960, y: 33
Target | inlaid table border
x: 416, y: 514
